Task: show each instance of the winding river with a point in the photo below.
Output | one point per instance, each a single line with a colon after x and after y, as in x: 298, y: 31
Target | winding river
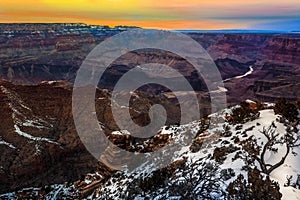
x: 241, y: 76
x: 223, y: 89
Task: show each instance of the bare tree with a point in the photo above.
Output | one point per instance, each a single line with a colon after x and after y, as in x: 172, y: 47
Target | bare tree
x: 201, y: 180
x: 257, y: 153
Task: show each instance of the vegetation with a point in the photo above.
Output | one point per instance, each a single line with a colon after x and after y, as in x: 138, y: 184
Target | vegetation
x: 256, y: 187
x: 287, y: 110
x: 257, y: 152
x: 199, y: 181
x: 243, y: 114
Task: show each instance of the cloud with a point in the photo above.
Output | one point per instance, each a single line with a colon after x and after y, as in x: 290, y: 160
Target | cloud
x: 159, y: 13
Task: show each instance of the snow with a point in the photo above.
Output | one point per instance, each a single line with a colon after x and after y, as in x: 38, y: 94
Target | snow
x: 32, y: 123
x: 224, y: 112
x: 269, y: 104
x: 220, y: 90
x: 177, y: 135
x: 50, y: 82
x: 291, y: 166
x: 133, y: 94
x: 37, y: 150
x: 6, y: 143
x: 20, y: 111
x: 164, y: 131
x: 250, y: 101
x: 13, y: 97
x: 57, y: 191
x: 19, y: 115
x: 26, y: 135
x: 8, y: 195
x: 121, y: 132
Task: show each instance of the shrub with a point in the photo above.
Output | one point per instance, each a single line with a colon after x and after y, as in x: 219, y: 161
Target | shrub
x: 287, y: 110
x: 256, y: 187
x: 220, y: 152
x: 243, y: 114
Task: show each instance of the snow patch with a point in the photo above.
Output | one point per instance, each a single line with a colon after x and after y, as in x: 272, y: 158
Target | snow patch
x: 121, y: 132
x: 26, y: 135
x: 6, y: 143
x: 35, y: 124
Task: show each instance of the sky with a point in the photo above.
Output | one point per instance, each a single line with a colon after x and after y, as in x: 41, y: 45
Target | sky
x: 162, y: 14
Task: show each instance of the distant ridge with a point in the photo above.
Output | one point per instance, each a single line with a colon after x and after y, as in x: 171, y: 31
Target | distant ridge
x: 239, y: 31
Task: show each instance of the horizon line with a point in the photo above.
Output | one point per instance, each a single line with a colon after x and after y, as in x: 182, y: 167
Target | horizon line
x: 160, y: 28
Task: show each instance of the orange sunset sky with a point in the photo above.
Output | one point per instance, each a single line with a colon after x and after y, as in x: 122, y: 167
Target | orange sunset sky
x: 164, y: 14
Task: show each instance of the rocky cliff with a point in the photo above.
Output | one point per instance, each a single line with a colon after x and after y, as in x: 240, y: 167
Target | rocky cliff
x: 38, y: 140
x: 29, y: 58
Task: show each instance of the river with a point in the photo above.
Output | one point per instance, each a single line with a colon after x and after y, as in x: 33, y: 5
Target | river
x: 241, y: 76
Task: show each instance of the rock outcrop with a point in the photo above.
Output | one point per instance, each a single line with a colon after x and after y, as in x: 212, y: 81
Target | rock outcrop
x: 38, y: 140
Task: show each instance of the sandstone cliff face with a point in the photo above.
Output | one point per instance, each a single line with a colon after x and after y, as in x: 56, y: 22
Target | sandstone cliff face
x: 68, y: 51
x: 283, y: 49
x: 275, y: 59
x: 39, y: 142
x: 240, y: 47
x: 31, y: 58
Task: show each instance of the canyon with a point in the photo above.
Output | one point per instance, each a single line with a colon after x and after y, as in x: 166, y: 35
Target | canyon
x: 39, y: 142
x: 34, y: 56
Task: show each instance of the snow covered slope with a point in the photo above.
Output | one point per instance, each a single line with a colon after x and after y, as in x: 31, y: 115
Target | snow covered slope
x: 203, y: 169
